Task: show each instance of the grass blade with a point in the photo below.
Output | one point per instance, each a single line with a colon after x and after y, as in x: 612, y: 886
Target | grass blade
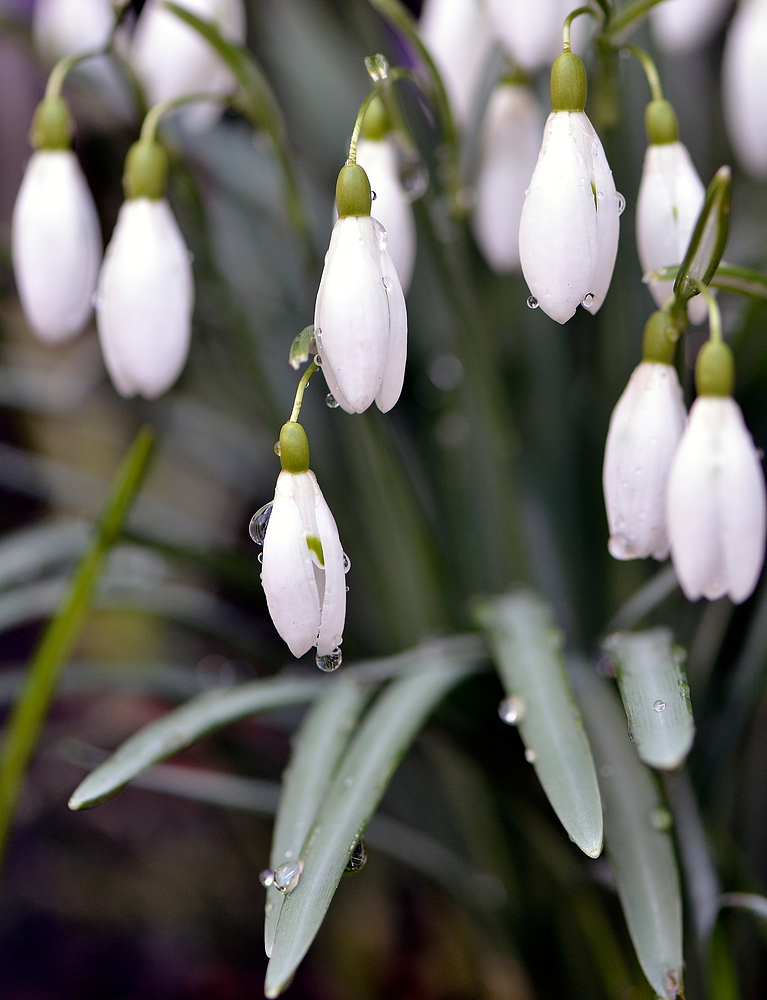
x: 529, y: 658
x: 655, y: 695
x: 708, y: 239
x: 636, y: 836
x: 385, y: 734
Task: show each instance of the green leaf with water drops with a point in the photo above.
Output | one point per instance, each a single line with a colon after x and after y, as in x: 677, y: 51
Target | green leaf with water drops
x: 539, y: 701
x: 318, y: 745
x: 655, y: 694
x: 638, y: 843
x: 301, y: 346
x: 385, y: 734
x: 708, y: 239
x: 182, y: 727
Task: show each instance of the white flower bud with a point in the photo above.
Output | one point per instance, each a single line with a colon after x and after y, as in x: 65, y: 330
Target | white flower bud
x: 145, y: 299
x: 303, y: 567
x: 378, y: 157
x: 458, y: 36
x: 360, y: 319
x: 645, y: 429
x: 744, y: 84
x: 716, y: 504
x: 671, y: 196
x: 568, y: 236
x: 510, y: 144
x: 56, y: 245
x: 680, y: 26
x: 67, y: 27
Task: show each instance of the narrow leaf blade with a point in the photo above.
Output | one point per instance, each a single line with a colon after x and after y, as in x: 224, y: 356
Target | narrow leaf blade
x: 708, y: 239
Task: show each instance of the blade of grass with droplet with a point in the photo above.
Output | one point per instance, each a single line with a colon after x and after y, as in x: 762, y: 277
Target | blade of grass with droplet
x: 655, y: 695
x: 383, y: 737
x: 178, y: 729
x: 709, y: 237
x: 528, y: 655
x: 638, y: 843
x: 319, y: 744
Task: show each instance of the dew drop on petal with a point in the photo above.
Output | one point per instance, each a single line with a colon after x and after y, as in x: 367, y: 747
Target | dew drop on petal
x: 278, y: 448
x: 512, y: 709
x: 259, y: 522
x: 286, y: 876
x: 660, y: 706
x: 357, y: 858
x: 621, y: 202
x: 347, y: 563
x: 530, y: 755
x: 331, y: 401
x: 329, y: 662
x: 266, y: 877
x: 318, y: 360
x: 661, y: 819
x: 532, y: 302
x: 588, y: 300
x: 373, y: 196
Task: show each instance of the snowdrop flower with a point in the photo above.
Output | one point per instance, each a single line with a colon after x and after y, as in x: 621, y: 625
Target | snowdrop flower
x: 67, y: 27
x: 671, y: 196
x: 360, y: 321
x: 680, y: 26
x: 744, y: 83
x: 645, y: 429
x: 56, y: 240
x: 145, y: 292
x: 458, y: 36
x: 568, y: 235
x: 303, y: 565
x: 716, y: 492
x: 510, y: 143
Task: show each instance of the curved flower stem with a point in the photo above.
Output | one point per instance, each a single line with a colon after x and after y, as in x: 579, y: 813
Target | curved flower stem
x: 649, y: 67
x: 625, y: 18
x: 153, y: 116
x: 568, y: 24
x: 381, y: 88
x: 714, y: 312
x: 63, y: 66
x: 301, y: 390
x: 358, y: 124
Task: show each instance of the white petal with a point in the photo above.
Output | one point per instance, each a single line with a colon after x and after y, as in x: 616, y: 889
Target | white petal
x: 685, y: 25
x: 287, y: 572
x: 396, y: 354
x: 510, y: 144
x: 56, y: 246
x: 145, y: 298
x: 744, y: 84
x: 334, y: 598
x: 391, y: 207
x: 645, y: 429
x: 608, y: 220
x: 351, y: 317
x: 66, y: 27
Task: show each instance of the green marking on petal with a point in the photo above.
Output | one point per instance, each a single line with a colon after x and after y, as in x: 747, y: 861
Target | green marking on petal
x: 315, y: 546
x: 594, y: 192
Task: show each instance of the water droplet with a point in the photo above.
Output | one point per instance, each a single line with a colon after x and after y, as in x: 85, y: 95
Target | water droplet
x: 278, y: 448
x: 357, y: 858
x: 331, y: 401
x: 347, y: 564
x: 261, y: 558
x: 259, y: 522
x: 348, y: 781
x: 527, y: 192
x: 530, y: 755
x: 387, y: 283
x: 661, y: 819
x: 373, y: 196
x: 266, y: 877
x: 512, y: 709
x: 377, y: 67
x: 288, y: 854
x: 532, y: 302
x: 286, y: 876
x: 588, y: 300
x: 413, y: 175
x: 318, y: 360
x: 330, y: 662
x: 660, y: 706
x: 621, y: 202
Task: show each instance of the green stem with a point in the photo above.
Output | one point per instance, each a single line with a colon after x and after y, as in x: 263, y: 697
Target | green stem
x: 301, y: 390
x: 568, y: 24
x: 650, y: 69
x: 153, y: 116
x: 63, y: 66
x: 358, y: 124
x: 28, y: 715
x: 714, y: 312
x: 630, y: 12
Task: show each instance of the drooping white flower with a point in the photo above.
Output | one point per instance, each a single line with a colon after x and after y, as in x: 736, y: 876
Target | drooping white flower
x: 510, y: 144
x: 458, y: 36
x: 392, y: 208
x: 744, y: 84
x: 67, y: 27
x: 686, y: 25
x: 645, y: 429
x: 360, y: 320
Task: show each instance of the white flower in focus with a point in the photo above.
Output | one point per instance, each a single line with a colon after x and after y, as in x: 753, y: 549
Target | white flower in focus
x: 744, y: 85
x: 645, y: 429
x: 671, y: 196
x: 716, y: 504
x: 67, y: 27
x: 392, y: 208
x: 458, y: 36
x: 510, y: 143
x: 680, y: 26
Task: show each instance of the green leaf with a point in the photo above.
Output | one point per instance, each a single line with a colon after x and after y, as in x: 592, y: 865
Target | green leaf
x: 384, y: 736
x: 301, y: 346
x: 638, y: 843
x: 728, y: 277
x: 322, y: 739
x: 708, y: 239
x: 185, y: 725
x: 528, y: 654
x: 655, y: 695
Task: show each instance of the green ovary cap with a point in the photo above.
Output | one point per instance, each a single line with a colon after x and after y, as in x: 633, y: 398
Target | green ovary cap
x: 52, y: 125
x: 568, y: 83
x: 375, y: 124
x: 146, y: 170
x: 660, y: 337
x: 353, y: 195
x: 660, y: 122
x: 294, y: 448
x: 715, y: 369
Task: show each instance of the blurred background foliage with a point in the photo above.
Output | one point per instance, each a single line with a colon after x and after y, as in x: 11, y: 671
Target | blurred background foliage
x: 487, y: 473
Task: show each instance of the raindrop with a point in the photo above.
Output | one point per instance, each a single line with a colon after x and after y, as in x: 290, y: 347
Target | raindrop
x: 278, y: 448
x: 661, y: 819
x: 512, y: 709
x: 357, y: 858
x: 532, y: 302
x: 346, y: 589
x: 286, y: 876
x: 373, y: 196
x: 288, y: 855
x: 330, y: 662
x: 318, y: 360
x: 530, y: 755
x: 261, y: 558
x: 660, y: 706
x: 387, y: 282
x: 266, y: 877
x: 331, y: 401
x: 621, y: 202
x: 588, y: 300
x: 347, y: 564
x: 259, y: 522
x: 377, y: 67
x: 382, y: 238
x: 413, y: 176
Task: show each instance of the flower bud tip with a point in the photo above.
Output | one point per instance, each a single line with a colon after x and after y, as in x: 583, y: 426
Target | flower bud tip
x: 294, y: 448
x: 353, y: 194
x: 715, y: 369
x: 568, y: 83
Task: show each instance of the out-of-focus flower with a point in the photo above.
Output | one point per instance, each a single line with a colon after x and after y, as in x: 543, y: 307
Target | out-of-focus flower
x: 458, y: 36
x: 744, y: 84
x: 67, y: 27
x: 568, y: 236
x: 56, y: 240
x: 510, y: 144
x: 680, y: 26
x: 360, y: 318
x: 146, y: 291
